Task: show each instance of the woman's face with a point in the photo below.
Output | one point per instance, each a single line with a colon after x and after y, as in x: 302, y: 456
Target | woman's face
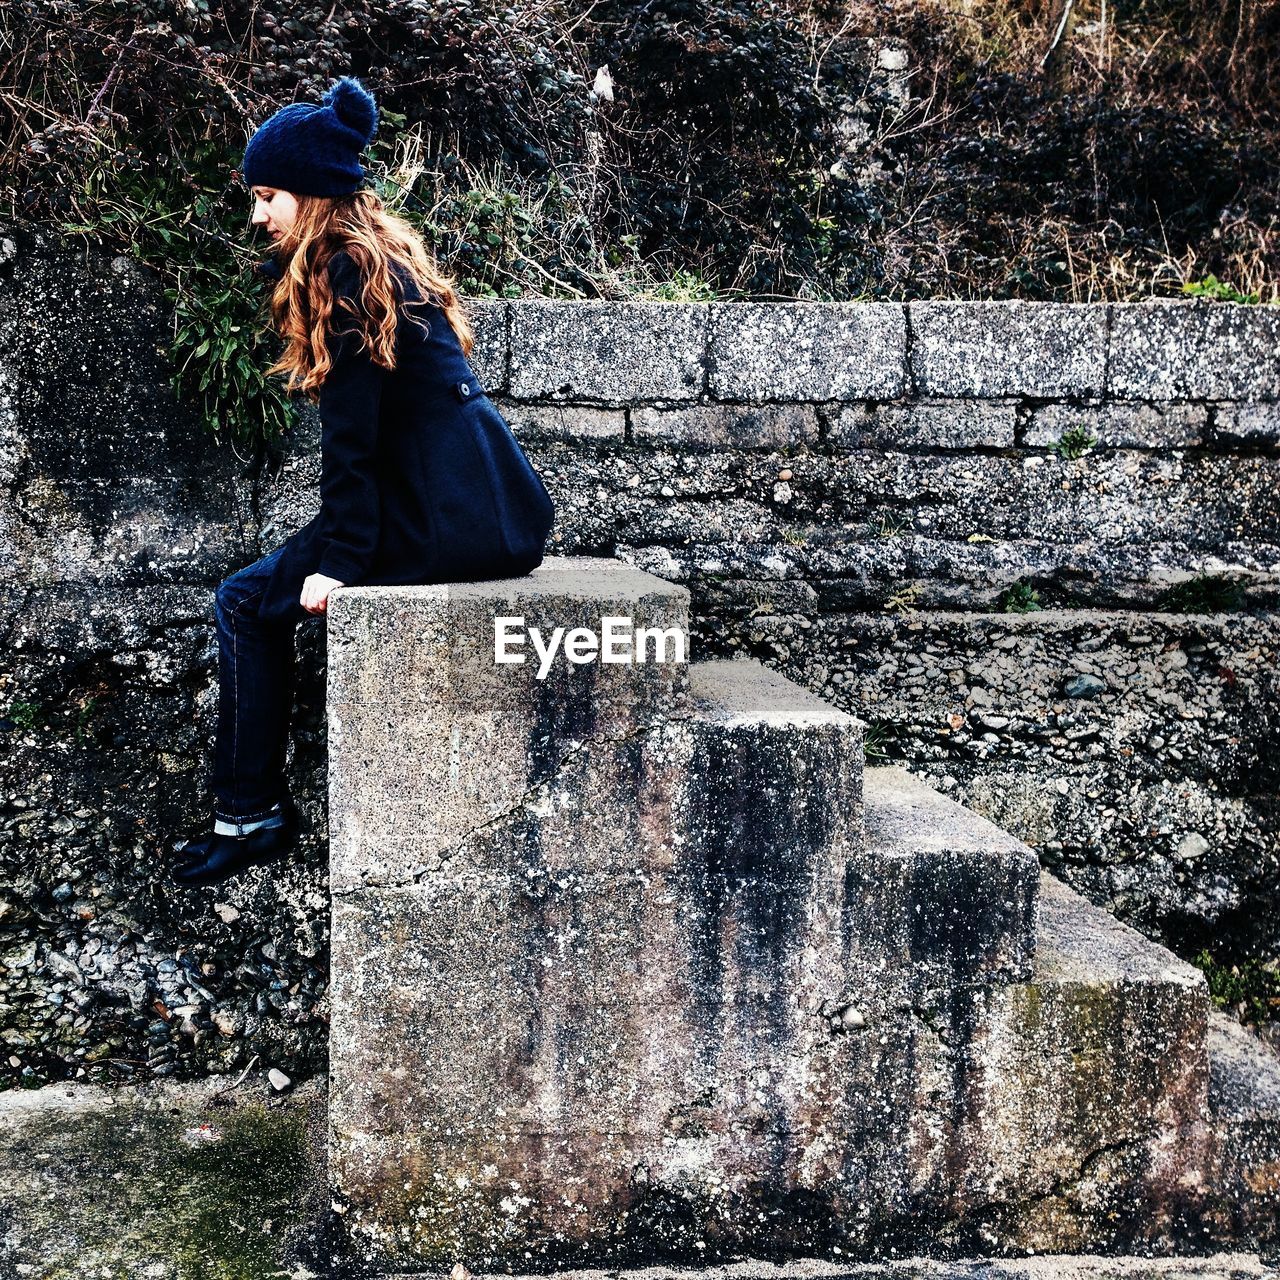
x: 274, y: 210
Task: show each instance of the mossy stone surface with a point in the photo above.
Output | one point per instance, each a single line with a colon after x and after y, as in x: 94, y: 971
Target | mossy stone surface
x: 170, y: 1183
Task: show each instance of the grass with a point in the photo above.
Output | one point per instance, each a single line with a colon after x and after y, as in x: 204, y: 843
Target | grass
x: 891, y: 525
x: 876, y: 737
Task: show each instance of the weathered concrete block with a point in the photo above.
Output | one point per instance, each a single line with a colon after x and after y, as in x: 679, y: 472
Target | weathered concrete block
x: 1007, y: 348
x: 672, y: 995
x: 658, y: 922
x: 623, y: 1000
x: 1061, y: 1111
x: 490, y: 321
x: 673, y: 1002
x: 96, y: 531
x: 1121, y: 424
x: 426, y: 724
x: 108, y: 477
x: 616, y: 352
x: 937, y: 892
x: 926, y: 424
x: 675, y: 1041
x: 1247, y: 424
x: 727, y: 426
x: 761, y: 779
x: 1244, y: 1098
x: 807, y: 351
x: 1104, y: 1050
x: 564, y: 422
x: 1194, y: 351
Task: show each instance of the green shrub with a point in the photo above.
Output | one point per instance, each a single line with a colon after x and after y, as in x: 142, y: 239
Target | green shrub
x: 24, y: 715
x: 1250, y: 989
x: 1215, y: 290
x: 1020, y: 598
x: 1075, y: 442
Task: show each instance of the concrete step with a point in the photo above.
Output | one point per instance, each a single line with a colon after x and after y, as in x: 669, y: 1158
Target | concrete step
x: 1127, y: 1113
x: 696, y: 983
x: 950, y: 1110
x: 431, y: 736
x: 1089, y: 1094
x: 938, y: 893
x: 1244, y: 1101
x: 660, y: 923
x: 1063, y: 1112
x: 754, y: 781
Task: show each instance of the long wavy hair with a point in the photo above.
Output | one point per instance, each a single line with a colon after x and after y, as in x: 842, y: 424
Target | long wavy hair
x: 302, y: 304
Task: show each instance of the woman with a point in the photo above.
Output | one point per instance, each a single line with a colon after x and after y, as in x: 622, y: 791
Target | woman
x: 421, y: 479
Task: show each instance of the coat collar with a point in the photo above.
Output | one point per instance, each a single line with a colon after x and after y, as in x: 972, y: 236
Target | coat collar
x: 271, y: 268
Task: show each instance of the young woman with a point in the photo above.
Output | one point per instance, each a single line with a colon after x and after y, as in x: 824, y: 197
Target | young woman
x: 421, y: 479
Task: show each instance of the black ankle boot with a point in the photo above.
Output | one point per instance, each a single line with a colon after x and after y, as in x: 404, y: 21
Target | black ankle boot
x: 213, y: 858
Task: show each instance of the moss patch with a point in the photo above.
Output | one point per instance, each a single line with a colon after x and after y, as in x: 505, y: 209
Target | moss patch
x: 207, y: 1194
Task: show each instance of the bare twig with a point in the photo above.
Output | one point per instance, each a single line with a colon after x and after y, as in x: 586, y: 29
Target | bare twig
x: 819, y: 57
x: 239, y: 1081
x: 1061, y: 31
x: 110, y: 80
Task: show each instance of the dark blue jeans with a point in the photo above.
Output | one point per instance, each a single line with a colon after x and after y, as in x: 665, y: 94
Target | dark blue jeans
x: 255, y: 696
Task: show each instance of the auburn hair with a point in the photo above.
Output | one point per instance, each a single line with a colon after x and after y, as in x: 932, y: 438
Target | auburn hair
x: 302, y: 304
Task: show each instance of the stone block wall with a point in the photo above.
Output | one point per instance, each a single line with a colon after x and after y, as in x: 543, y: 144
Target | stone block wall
x: 846, y: 490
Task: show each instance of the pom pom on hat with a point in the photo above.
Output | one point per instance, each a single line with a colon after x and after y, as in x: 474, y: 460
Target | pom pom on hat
x: 353, y: 104
x: 314, y: 150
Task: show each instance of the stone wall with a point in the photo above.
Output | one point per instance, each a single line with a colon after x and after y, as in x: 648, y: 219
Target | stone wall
x: 846, y: 490
x: 851, y: 493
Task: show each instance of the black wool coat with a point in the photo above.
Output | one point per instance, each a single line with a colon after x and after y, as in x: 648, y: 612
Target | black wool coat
x: 421, y: 479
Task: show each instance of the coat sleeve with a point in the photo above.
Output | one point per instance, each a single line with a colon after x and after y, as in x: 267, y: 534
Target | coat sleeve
x: 350, y: 398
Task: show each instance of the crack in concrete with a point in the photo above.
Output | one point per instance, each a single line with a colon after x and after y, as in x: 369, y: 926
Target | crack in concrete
x: 563, y: 765
x: 1064, y: 1185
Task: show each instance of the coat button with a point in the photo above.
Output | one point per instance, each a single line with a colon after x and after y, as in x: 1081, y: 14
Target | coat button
x: 463, y: 390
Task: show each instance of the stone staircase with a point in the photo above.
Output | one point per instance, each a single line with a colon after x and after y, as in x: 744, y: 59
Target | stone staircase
x: 638, y: 961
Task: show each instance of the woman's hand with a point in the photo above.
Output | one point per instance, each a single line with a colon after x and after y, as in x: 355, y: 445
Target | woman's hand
x: 315, y: 592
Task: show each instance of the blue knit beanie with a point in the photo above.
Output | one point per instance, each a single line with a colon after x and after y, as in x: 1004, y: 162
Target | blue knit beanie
x: 314, y: 151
